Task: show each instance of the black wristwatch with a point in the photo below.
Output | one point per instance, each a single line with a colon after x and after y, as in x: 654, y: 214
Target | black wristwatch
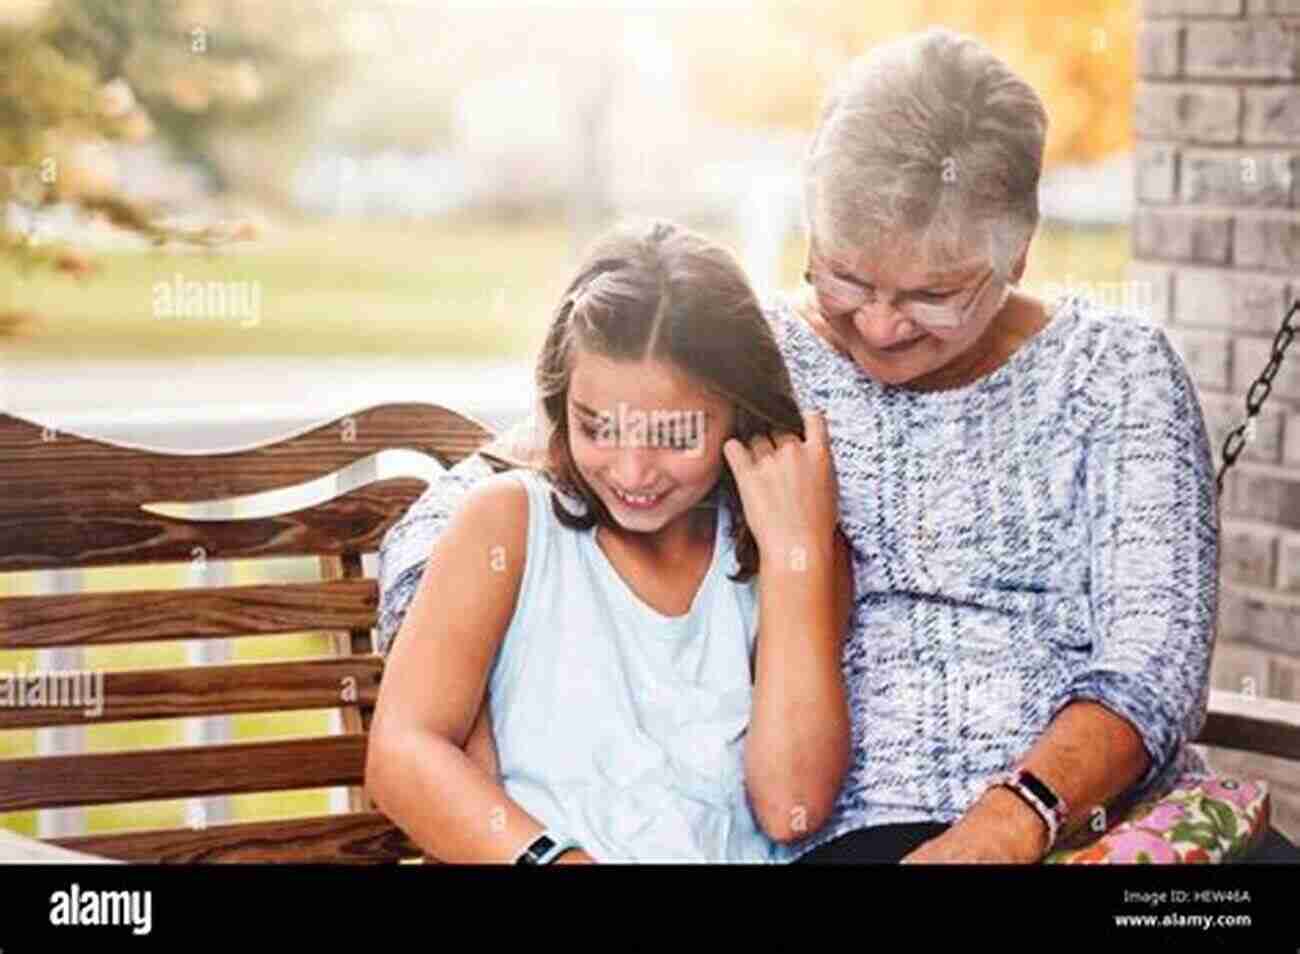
x: 544, y: 849
x: 1039, y: 796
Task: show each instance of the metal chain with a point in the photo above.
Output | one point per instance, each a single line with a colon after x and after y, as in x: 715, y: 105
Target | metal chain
x: 1259, y: 391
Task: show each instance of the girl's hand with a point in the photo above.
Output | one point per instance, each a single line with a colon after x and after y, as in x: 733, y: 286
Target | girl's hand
x: 788, y: 489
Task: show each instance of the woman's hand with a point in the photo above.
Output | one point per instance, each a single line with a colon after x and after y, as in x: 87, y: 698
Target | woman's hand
x: 788, y: 490
x: 998, y: 829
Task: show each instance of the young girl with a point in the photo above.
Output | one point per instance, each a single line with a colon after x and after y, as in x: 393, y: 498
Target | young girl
x: 655, y: 612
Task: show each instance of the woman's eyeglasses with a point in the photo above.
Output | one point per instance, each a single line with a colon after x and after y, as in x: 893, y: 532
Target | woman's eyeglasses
x: 838, y: 297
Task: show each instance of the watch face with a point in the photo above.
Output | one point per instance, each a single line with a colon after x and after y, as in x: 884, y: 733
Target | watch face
x: 1041, y: 791
x: 534, y: 853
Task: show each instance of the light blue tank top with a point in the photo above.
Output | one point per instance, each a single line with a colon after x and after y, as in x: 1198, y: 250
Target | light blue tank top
x: 615, y: 724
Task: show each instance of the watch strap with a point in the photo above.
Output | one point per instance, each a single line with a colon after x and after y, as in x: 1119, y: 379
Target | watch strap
x: 545, y: 848
x: 1040, y: 796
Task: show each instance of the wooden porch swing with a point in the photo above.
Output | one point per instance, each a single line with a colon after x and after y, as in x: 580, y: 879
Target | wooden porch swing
x: 71, y: 502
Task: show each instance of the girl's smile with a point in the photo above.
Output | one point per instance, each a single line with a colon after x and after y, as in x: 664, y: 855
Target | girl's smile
x: 645, y: 479
x: 643, y: 501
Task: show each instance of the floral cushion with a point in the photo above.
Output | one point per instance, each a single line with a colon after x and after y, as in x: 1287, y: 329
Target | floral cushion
x: 1204, y: 819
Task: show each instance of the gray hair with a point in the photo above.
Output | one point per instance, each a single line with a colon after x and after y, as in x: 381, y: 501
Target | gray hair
x: 930, y: 136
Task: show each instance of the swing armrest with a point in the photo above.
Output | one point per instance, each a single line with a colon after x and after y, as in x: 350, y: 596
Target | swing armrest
x: 1252, y: 724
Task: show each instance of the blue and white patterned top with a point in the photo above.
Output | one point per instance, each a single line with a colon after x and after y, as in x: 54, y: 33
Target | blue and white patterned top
x: 1045, y: 534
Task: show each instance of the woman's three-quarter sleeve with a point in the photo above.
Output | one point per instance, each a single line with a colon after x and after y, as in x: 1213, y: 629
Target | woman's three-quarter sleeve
x: 1152, y: 509
x: 405, y: 547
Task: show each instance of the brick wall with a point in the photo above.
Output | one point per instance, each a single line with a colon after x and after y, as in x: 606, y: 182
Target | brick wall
x: 1216, y: 244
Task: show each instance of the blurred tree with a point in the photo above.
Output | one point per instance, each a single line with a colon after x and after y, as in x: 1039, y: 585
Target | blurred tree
x: 772, y: 69
x: 75, y: 74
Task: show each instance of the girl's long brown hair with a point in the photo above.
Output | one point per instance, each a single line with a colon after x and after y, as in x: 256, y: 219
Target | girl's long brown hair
x: 672, y: 295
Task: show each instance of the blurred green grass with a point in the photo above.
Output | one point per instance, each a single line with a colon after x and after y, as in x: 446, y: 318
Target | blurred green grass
x: 325, y: 290
x: 472, y: 290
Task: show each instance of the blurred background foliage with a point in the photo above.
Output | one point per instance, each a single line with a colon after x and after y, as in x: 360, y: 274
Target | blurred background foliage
x: 82, y: 73
x: 1078, y: 55
x: 242, y: 91
x: 444, y: 158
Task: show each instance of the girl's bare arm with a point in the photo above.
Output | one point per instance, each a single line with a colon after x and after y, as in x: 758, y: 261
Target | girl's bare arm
x: 418, y: 771
x: 481, y: 746
x: 798, y: 746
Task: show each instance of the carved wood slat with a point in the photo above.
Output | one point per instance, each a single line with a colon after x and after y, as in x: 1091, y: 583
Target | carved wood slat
x: 74, y: 472
x: 45, y: 539
x: 100, y: 619
x: 361, y: 838
x: 54, y: 781
x: 210, y: 691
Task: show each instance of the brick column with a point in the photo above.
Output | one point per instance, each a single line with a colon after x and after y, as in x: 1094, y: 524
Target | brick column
x: 1216, y: 242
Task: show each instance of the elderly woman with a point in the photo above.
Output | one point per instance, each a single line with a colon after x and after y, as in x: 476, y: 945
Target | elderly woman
x: 1027, y: 487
